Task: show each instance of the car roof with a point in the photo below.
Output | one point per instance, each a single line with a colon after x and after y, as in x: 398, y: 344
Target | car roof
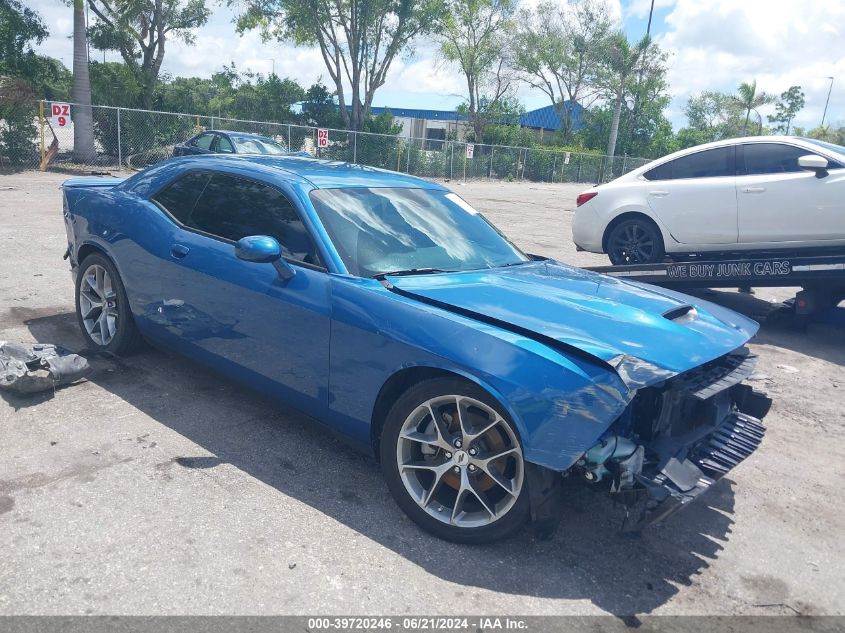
x: 322, y: 174
x: 233, y: 133
x: 739, y: 140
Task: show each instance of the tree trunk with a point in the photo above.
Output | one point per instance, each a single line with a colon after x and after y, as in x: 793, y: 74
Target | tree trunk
x: 745, y: 125
x: 614, y: 128
x: 83, y: 120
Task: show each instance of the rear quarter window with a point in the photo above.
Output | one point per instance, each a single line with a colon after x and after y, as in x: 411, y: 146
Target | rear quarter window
x: 711, y: 163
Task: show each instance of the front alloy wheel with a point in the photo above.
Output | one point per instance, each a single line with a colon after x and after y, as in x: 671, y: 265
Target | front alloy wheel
x: 459, y: 464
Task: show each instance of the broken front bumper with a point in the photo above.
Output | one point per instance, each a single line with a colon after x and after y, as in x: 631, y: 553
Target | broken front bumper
x: 680, y: 481
x: 677, y: 439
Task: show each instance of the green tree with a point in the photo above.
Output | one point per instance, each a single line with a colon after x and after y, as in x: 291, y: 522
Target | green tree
x: 748, y: 99
x: 83, y: 118
x: 475, y: 36
x: 558, y: 50
x: 829, y: 133
x: 20, y: 28
x: 618, y: 70
x: 713, y: 116
x: 358, y: 40
x: 498, y: 116
x: 139, y: 31
x: 321, y: 109
x: 114, y: 84
x: 790, y: 103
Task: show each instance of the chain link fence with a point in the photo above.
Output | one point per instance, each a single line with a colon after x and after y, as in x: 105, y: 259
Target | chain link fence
x: 130, y: 139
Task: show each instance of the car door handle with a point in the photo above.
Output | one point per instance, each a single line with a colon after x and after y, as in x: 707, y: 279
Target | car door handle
x: 658, y: 193
x: 753, y: 190
x: 179, y: 251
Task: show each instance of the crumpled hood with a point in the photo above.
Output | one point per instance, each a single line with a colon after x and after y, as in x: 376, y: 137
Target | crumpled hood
x: 644, y: 332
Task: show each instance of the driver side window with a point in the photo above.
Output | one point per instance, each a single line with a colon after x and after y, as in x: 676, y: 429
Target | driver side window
x: 232, y: 208
x: 224, y: 145
x: 203, y: 141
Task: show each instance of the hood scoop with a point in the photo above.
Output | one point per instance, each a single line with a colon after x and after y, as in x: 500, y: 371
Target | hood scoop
x: 682, y: 314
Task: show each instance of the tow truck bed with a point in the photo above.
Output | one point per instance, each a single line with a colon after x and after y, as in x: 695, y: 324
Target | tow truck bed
x: 774, y: 271
x: 821, y: 277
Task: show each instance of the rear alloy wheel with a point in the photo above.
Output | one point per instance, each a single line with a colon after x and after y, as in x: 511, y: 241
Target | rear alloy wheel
x: 102, y: 308
x: 454, y: 462
x: 635, y: 241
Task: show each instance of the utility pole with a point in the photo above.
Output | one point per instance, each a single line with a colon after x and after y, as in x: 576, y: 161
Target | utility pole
x: 824, y: 114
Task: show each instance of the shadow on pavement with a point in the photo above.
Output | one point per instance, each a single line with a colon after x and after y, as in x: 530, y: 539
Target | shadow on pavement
x: 586, y: 560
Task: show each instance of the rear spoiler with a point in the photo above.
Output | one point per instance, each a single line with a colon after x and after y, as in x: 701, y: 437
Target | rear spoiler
x: 91, y: 182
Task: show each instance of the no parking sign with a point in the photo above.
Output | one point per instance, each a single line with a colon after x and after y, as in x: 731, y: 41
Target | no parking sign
x: 60, y: 114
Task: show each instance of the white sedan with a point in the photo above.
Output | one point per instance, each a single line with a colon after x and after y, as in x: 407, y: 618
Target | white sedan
x: 762, y: 193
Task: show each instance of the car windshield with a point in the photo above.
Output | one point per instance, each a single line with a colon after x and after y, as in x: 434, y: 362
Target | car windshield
x: 382, y: 230
x: 255, y: 145
x: 828, y: 146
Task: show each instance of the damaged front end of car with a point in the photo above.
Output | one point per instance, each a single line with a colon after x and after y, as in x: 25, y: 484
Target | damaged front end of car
x: 677, y: 437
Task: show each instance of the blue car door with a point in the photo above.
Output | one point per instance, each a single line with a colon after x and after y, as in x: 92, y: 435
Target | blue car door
x: 238, y: 316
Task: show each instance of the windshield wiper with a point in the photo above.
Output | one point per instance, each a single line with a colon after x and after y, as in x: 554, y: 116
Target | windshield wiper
x: 527, y: 261
x: 409, y: 271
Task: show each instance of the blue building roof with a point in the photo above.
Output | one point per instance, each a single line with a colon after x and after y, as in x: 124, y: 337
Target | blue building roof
x: 415, y: 113
x: 548, y: 118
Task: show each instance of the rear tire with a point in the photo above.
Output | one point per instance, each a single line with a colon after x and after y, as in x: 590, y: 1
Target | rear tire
x: 460, y: 476
x: 635, y: 240
x: 102, y: 308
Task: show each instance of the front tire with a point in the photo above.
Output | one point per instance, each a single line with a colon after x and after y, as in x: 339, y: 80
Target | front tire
x: 102, y: 308
x: 453, y: 462
x: 635, y: 241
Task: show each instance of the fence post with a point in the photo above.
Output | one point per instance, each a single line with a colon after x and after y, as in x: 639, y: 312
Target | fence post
x: 451, y: 159
x: 41, y: 123
x: 289, y: 147
x: 490, y: 173
x: 354, y: 147
x: 580, y: 161
x: 554, y: 166
x: 625, y: 164
x: 524, y: 160
x: 119, y: 146
x: 408, y: 161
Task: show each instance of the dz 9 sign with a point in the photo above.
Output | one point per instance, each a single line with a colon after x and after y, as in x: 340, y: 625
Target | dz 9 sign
x: 60, y: 114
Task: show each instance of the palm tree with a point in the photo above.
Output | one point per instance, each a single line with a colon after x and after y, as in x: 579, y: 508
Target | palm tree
x: 83, y: 120
x: 621, y: 63
x: 749, y: 99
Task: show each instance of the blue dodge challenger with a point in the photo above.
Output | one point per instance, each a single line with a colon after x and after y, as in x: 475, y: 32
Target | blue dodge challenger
x: 389, y: 309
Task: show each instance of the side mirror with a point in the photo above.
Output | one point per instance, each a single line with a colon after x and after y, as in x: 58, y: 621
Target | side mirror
x: 812, y: 162
x: 263, y: 249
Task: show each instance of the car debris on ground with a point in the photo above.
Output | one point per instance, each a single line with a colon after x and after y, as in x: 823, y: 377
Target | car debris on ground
x: 28, y: 369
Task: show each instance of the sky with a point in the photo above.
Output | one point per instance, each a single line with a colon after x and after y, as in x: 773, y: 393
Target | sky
x: 713, y: 45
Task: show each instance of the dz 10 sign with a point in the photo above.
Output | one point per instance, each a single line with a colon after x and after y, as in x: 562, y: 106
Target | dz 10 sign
x: 322, y: 138
x: 60, y: 114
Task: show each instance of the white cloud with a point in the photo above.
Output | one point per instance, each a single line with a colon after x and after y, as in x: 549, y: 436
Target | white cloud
x: 640, y: 8
x: 718, y: 44
x: 714, y: 45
